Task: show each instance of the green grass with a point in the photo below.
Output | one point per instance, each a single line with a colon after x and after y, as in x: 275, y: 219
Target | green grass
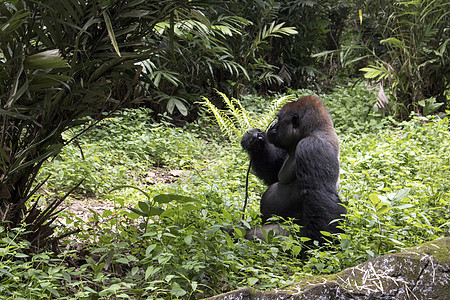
x: 394, y: 182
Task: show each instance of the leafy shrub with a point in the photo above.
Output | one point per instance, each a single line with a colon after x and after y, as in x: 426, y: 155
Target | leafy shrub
x: 412, y: 57
x: 121, y: 149
x: 396, y: 185
x: 32, y: 276
x: 352, y: 109
x: 51, y: 82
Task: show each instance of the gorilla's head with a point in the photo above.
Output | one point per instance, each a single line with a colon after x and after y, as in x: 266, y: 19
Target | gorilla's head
x: 297, y: 120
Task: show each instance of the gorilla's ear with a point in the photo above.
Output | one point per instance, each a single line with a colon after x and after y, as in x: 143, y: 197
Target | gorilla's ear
x: 295, y: 121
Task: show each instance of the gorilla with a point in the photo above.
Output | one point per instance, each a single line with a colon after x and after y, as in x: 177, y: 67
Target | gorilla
x: 298, y: 158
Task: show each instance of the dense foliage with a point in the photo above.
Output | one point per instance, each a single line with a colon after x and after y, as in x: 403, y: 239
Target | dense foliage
x: 403, y: 46
x: 69, y: 68
x: 161, y: 239
x: 61, y: 66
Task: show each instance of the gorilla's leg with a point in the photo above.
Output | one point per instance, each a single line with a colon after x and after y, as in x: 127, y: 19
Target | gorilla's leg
x: 279, y: 200
x: 283, y: 200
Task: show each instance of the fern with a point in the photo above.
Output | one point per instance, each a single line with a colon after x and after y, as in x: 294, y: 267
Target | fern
x: 235, y: 120
x: 222, y: 119
x: 265, y: 119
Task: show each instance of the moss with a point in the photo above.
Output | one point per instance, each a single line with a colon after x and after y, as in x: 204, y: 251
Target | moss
x: 439, y: 249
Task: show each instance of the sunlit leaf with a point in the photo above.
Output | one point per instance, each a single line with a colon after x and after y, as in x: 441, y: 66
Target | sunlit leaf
x: 374, y: 199
x: 188, y: 239
x: 110, y: 30
x: 45, y: 60
x: 393, y: 41
x: 401, y: 194
x: 177, y: 291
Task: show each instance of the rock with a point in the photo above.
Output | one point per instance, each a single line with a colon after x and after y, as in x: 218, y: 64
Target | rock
x: 422, y: 272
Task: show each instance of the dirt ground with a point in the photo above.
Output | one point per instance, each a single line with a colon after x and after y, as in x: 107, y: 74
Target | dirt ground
x: 84, y: 208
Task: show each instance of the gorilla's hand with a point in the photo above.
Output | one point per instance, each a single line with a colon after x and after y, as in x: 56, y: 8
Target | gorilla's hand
x: 253, y: 139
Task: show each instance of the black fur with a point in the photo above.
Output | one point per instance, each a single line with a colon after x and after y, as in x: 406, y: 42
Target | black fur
x: 298, y: 158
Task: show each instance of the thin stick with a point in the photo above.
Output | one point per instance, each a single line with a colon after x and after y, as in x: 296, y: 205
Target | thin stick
x: 246, y: 188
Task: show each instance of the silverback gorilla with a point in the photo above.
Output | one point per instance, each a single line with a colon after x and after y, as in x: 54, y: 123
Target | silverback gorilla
x: 298, y: 158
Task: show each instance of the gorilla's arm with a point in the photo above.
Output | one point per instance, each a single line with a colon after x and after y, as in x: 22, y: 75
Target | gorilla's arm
x: 266, y: 158
x: 317, y: 162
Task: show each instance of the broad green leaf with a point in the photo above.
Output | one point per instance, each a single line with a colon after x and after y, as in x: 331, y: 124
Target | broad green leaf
x: 134, y: 214
x: 371, y: 72
x: 122, y: 260
x: 403, y: 206
x: 252, y: 280
x: 151, y: 270
x: 181, y: 107
x: 177, y: 291
x: 325, y: 233
x: 374, y: 199
x: 383, y: 209
x: 188, y: 207
x: 345, y: 244
x: 401, y: 194
x: 155, y: 211
x: 393, y: 41
x: 319, y: 266
x: 166, y: 198
x: 188, y: 239
x: 194, y: 285
x: 144, y: 207
x: 49, y: 59
x: 304, y: 239
x: 107, y: 213
x: 227, y: 215
x: 149, y: 249
x: 168, y: 213
x: 137, y: 212
x: 296, y: 249
x: 21, y: 255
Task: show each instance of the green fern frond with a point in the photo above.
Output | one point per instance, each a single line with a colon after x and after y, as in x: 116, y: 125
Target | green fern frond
x: 225, y: 99
x: 267, y: 118
x: 244, y: 117
x: 223, y: 120
x: 237, y: 113
x: 235, y: 120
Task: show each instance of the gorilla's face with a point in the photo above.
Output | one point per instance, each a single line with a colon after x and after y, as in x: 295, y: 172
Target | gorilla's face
x: 284, y: 133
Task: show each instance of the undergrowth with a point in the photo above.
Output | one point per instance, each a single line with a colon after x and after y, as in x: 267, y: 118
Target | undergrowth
x: 163, y: 240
